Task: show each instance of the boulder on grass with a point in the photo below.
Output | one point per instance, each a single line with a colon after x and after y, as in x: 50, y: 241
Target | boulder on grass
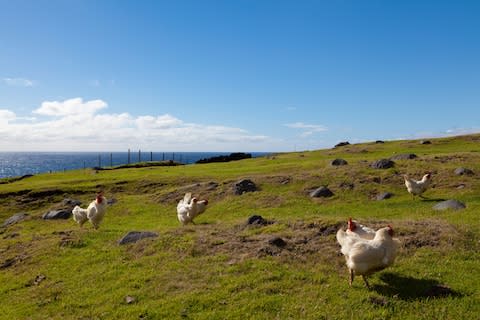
x: 339, y: 162
x: 134, y: 236
x: 463, y: 171
x: 449, y: 204
x: 383, y: 196
x: 382, y: 164
x: 322, y: 192
x: 14, y: 219
x: 341, y: 144
x: 57, y: 214
x: 243, y: 186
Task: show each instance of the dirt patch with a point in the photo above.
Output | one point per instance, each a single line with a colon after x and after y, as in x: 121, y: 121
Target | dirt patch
x: 299, y: 241
x: 312, y: 241
x: 427, y: 233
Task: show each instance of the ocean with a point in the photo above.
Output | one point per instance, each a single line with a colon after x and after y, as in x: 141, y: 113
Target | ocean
x: 14, y: 164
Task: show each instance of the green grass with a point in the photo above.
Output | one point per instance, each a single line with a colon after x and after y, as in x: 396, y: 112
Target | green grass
x: 221, y: 269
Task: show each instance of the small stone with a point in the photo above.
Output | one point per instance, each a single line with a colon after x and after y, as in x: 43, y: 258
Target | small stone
x: 449, y: 204
x: 134, y: 236
x: 382, y: 164
x: 278, y: 242
x: 243, y: 186
x: 383, y: 196
x: 341, y: 144
x: 71, y: 202
x: 14, y: 219
x: 130, y: 300
x: 322, y: 192
x: 57, y: 214
x: 39, y: 279
x: 257, y: 220
x: 339, y: 162
x: 463, y: 171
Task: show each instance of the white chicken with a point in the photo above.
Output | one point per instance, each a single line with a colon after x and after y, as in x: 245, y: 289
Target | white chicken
x: 79, y: 215
x: 417, y: 187
x: 359, y: 229
x: 188, y: 208
x: 364, y: 257
x: 94, y: 212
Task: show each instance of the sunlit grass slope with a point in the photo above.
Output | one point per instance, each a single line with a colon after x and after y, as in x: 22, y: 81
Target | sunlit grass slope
x: 221, y: 268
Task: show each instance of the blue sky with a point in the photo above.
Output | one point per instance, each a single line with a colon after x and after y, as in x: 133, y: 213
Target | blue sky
x: 235, y: 75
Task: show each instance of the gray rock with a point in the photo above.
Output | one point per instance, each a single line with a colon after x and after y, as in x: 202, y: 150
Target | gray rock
x: 339, y: 162
x: 383, y: 196
x: 463, y: 171
x: 57, y: 214
x: 341, y: 144
x: 425, y: 142
x: 379, y: 141
x: 71, y: 202
x: 112, y: 201
x: 404, y: 156
x: 14, y: 219
x: 243, y: 186
x: 134, y: 236
x: 322, y: 192
x: 382, y: 164
x: 449, y: 204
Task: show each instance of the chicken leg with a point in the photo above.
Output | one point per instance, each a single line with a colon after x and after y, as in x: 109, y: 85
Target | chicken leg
x: 366, y: 282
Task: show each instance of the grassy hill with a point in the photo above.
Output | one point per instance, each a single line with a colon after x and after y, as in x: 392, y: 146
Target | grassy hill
x: 222, y: 268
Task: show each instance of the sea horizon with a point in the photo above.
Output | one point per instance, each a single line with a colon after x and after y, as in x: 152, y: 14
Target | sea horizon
x: 20, y: 163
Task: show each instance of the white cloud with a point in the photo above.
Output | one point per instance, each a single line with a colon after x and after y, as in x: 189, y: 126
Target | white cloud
x: 6, y: 116
x: 307, y: 129
x: 70, y: 107
x: 19, y: 82
x: 77, y: 125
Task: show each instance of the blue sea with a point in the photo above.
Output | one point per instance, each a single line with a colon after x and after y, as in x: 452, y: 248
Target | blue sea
x: 14, y: 164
